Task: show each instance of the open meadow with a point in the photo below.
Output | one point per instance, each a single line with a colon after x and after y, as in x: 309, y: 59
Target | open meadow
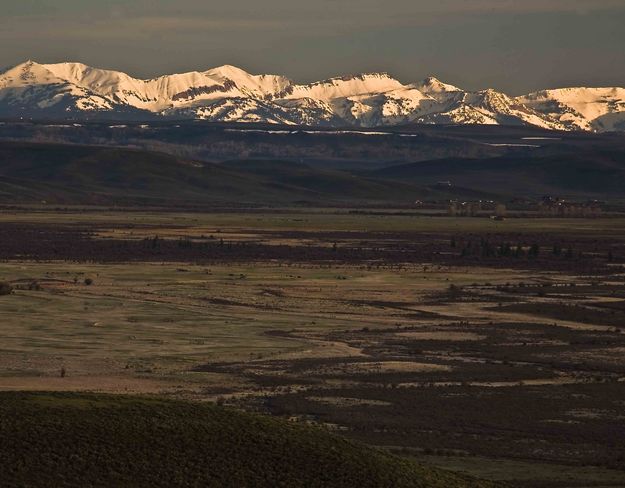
x: 490, y: 347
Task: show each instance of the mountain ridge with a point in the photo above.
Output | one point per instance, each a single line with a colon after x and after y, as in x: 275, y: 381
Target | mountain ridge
x: 230, y: 94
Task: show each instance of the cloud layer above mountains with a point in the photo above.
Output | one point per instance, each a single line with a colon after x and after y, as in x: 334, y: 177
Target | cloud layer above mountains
x: 513, y: 46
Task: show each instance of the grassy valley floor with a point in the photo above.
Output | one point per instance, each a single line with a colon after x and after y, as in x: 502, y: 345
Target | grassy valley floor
x: 424, y: 336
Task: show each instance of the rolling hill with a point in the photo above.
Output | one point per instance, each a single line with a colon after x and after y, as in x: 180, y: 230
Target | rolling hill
x: 77, y: 440
x: 336, y: 171
x: 583, y: 174
x: 58, y: 173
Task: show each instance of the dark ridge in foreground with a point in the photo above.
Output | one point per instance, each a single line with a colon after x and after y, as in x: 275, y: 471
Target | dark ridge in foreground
x: 210, y: 165
x: 58, y: 173
x: 67, y: 440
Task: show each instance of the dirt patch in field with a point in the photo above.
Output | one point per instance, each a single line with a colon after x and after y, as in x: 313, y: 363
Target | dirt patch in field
x: 350, y: 402
x: 389, y: 367
x: 441, y: 335
x: 104, y: 384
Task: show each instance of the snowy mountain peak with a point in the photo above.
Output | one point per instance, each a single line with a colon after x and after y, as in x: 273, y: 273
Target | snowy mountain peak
x: 260, y: 85
x: 434, y: 85
x: 581, y: 108
x: 26, y: 74
x: 335, y: 89
x: 228, y: 71
x: 229, y: 93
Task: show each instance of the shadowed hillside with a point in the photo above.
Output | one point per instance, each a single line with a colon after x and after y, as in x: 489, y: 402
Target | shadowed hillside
x: 94, y: 174
x: 67, y: 440
x: 596, y: 174
x: 78, y: 174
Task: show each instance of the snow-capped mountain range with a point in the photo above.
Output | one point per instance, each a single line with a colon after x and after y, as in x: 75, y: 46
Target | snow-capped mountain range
x: 229, y: 94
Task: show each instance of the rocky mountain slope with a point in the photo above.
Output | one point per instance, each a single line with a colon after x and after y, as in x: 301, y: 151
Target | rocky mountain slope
x: 229, y: 94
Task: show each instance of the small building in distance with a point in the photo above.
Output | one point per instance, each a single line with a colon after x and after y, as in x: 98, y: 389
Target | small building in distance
x: 558, y: 207
x: 464, y: 209
x: 475, y: 208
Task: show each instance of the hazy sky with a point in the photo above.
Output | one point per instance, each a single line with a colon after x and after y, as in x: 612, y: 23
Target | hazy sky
x: 512, y: 45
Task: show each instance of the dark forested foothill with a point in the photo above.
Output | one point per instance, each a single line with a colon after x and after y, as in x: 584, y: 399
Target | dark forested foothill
x: 71, y: 440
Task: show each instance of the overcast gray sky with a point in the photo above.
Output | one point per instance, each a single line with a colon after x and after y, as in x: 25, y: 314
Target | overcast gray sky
x: 511, y: 45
